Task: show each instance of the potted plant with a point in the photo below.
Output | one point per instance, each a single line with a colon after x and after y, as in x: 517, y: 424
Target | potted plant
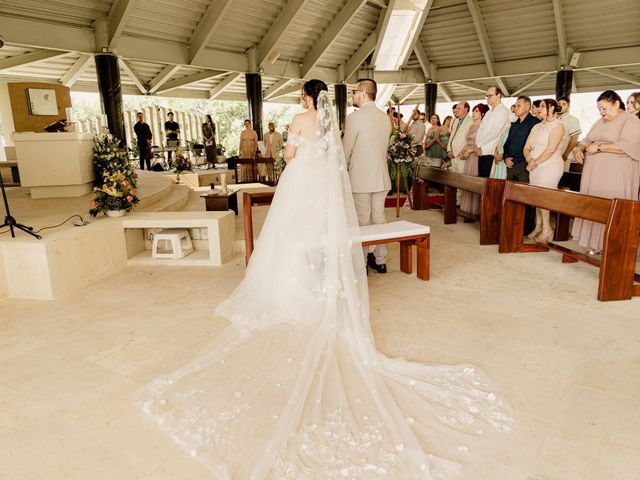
x: 220, y: 151
x: 115, y: 186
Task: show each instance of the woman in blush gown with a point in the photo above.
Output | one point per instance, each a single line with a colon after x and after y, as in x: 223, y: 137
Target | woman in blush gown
x: 470, y: 202
x: 543, y: 153
x: 295, y: 388
x: 611, y: 157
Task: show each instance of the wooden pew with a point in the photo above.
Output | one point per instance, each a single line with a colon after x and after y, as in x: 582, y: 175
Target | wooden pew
x: 622, y: 220
x: 569, y: 180
x: 250, y: 200
x: 406, y: 233
x: 489, y: 189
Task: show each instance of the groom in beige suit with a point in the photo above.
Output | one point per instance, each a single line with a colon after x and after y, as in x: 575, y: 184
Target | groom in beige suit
x: 366, y: 139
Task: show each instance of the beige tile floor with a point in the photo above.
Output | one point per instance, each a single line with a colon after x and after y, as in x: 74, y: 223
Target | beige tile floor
x: 71, y: 369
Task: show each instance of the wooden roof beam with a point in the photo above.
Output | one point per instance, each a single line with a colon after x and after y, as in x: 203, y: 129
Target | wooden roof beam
x: 117, y: 17
x: 267, y: 46
x: 336, y: 27
x: 211, y: 20
x: 76, y: 70
x: 483, y: 38
x: 218, y: 89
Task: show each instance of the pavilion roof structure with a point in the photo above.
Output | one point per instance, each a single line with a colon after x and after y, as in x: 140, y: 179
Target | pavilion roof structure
x: 202, y: 48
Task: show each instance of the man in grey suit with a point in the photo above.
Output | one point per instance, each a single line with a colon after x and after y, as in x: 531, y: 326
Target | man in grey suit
x: 458, y: 139
x: 366, y: 140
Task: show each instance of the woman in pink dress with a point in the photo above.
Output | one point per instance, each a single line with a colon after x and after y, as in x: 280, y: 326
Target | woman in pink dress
x: 470, y: 202
x: 611, y: 157
x: 543, y: 152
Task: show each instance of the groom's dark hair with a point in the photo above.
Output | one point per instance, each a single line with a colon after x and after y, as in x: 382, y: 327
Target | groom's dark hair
x: 369, y: 86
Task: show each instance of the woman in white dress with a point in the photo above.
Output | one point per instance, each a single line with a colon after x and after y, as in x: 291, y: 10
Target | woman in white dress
x: 295, y: 388
x: 543, y: 152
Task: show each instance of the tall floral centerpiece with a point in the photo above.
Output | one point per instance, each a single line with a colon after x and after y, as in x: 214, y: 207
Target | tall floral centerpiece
x: 182, y: 164
x: 400, y: 156
x: 115, y: 186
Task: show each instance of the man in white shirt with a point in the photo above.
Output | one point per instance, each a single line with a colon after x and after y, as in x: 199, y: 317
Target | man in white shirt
x: 417, y: 129
x: 494, y: 123
x: 571, y: 123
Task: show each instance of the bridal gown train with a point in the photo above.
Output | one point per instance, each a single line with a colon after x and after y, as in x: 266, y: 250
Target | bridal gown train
x: 294, y: 388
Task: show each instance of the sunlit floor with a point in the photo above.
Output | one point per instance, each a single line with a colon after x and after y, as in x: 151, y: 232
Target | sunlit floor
x: 71, y: 369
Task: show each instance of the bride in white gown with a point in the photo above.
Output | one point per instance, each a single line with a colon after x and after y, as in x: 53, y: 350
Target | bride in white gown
x: 295, y: 388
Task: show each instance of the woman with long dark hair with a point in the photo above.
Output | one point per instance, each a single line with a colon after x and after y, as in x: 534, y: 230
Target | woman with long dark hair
x: 209, y: 136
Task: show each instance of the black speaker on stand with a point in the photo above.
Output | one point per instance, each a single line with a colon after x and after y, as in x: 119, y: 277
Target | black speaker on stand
x: 9, y: 221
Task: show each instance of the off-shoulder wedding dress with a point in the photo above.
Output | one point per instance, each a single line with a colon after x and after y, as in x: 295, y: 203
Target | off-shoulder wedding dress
x: 295, y: 388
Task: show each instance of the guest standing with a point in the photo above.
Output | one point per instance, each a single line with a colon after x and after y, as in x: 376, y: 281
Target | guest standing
x: 172, y: 134
x: 543, y: 152
x: 272, y: 143
x: 143, y: 139
x: 417, y: 130
x: 458, y: 140
x: 248, y: 149
x: 633, y: 104
x: 513, y: 151
x: 611, y: 156
x: 470, y: 202
x: 493, y: 125
x: 435, y: 149
x: 209, y: 136
x: 571, y: 124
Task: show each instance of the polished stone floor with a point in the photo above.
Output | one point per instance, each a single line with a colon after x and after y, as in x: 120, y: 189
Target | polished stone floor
x: 71, y: 369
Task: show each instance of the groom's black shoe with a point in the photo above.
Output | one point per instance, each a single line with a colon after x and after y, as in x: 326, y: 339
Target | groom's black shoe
x: 371, y: 263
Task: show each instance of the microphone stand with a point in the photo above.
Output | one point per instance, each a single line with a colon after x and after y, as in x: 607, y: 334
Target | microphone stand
x: 11, y: 222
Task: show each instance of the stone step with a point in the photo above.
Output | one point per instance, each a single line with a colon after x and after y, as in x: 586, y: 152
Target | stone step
x: 174, y: 201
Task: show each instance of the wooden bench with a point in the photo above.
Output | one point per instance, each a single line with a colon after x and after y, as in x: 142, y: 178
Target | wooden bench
x: 406, y: 233
x: 622, y: 220
x: 15, y: 173
x: 489, y: 189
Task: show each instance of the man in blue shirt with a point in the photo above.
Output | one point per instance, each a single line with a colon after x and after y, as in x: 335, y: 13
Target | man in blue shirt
x: 514, y: 150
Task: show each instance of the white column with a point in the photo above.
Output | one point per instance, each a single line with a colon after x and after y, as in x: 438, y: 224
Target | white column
x: 6, y: 115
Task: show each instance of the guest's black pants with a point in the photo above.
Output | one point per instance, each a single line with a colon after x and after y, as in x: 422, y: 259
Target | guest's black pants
x: 144, y: 158
x: 519, y: 173
x: 484, y: 165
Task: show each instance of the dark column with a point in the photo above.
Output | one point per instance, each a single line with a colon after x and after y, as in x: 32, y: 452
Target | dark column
x: 253, y: 82
x: 341, y: 104
x: 564, y: 83
x: 108, y: 73
x: 430, y: 96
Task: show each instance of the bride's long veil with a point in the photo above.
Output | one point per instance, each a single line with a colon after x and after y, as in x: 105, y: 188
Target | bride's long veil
x: 295, y: 389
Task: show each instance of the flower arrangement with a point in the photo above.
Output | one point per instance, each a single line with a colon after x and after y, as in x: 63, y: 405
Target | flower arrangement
x: 400, y: 154
x: 280, y: 163
x: 115, y: 186
x: 182, y: 163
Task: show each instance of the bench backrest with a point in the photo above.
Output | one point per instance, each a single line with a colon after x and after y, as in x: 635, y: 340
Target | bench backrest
x: 457, y: 180
x: 574, y: 204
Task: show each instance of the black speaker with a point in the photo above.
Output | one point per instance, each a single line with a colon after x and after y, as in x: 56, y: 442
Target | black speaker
x: 157, y: 168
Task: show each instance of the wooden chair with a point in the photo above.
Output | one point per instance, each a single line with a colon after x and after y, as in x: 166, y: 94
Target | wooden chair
x: 245, y: 170
x: 266, y: 171
x: 622, y: 220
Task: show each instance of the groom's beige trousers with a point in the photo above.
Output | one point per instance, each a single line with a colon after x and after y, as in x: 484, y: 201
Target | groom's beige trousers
x: 370, y: 211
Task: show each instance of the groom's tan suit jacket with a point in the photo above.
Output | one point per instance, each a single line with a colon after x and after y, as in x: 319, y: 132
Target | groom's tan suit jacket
x: 365, y: 141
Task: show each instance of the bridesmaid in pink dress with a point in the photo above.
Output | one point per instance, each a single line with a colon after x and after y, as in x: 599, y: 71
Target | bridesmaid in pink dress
x: 543, y: 152
x: 470, y: 202
x: 611, y: 157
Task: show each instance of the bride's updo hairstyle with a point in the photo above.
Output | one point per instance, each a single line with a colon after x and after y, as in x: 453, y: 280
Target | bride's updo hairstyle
x: 313, y: 89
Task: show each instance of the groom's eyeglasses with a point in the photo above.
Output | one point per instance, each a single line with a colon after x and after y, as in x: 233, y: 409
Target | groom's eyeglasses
x: 353, y: 92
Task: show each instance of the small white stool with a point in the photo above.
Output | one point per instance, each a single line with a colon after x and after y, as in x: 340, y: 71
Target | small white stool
x: 180, y: 243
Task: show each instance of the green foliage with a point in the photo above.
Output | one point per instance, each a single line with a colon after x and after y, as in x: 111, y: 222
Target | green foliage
x: 116, y: 181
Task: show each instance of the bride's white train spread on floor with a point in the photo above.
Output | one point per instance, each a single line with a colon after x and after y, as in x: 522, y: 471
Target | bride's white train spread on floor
x: 295, y: 389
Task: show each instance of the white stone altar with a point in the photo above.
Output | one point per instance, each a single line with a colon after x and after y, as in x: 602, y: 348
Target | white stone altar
x: 55, y: 165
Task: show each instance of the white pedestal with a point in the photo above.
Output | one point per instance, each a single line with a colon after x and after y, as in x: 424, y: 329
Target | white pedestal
x: 55, y: 165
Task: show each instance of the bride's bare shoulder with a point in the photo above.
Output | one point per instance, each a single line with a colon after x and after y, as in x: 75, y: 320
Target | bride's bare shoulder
x: 303, y: 122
